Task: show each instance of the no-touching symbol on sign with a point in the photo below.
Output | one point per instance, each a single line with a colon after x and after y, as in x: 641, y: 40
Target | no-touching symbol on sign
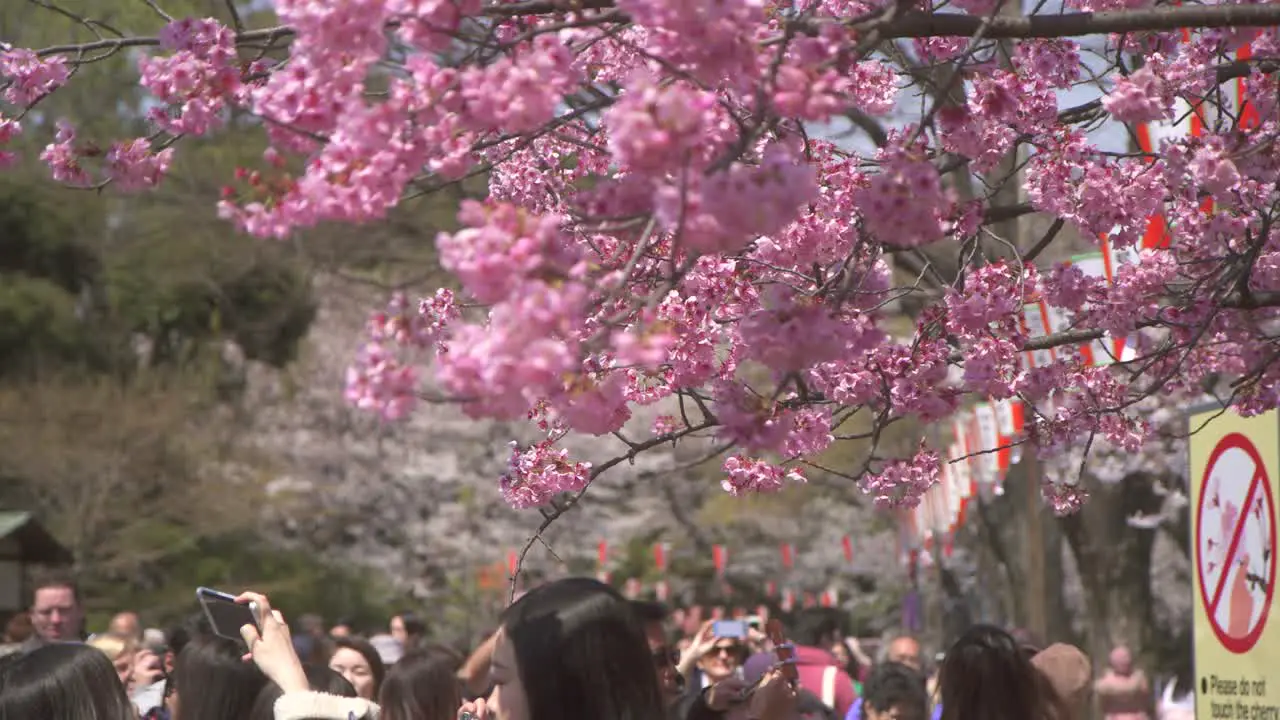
x: 1235, y: 543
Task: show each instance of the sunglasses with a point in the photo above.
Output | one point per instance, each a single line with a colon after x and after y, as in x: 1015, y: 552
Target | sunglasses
x: 732, y: 651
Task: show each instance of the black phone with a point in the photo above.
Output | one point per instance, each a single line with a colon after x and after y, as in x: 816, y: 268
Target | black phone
x: 226, y: 616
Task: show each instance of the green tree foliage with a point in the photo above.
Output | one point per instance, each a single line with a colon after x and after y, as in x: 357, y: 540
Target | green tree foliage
x: 115, y: 313
x: 178, y: 274
x: 114, y: 308
x: 46, y: 272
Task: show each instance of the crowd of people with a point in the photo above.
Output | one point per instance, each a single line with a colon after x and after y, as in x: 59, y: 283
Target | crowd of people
x: 569, y: 649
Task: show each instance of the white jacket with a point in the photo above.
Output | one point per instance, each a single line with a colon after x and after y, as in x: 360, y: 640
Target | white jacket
x: 323, y: 706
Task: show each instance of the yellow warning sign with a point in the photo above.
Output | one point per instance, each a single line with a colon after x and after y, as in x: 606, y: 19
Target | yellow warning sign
x: 1234, y: 478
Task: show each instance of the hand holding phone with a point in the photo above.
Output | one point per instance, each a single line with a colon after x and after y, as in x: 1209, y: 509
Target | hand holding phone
x: 784, y: 651
x: 271, y: 646
x: 226, y: 616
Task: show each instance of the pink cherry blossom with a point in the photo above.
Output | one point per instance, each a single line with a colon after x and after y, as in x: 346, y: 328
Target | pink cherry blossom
x: 749, y: 475
x: 538, y: 473
x: 901, y: 483
x: 28, y: 77
x: 675, y: 231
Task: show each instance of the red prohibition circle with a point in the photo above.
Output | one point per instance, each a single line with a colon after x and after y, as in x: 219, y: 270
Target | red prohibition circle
x: 1237, y: 645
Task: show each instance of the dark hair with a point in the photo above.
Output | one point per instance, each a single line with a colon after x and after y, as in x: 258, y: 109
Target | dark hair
x: 311, y: 623
x: 582, y: 654
x: 423, y: 685
x: 68, y: 681
x: 314, y: 649
x: 650, y: 612
x: 324, y: 679
x: 370, y: 654
x: 892, y: 684
x: 54, y: 579
x: 19, y: 628
x: 413, y: 625
x: 987, y: 674
x: 816, y: 626
x: 213, y: 683
x: 196, y: 625
x: 1029, y: 641
x: 811, y: 707
x: 319, y: 678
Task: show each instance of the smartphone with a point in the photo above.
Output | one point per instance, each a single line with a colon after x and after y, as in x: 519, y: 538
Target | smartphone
x: 729, y: 629
x: 226, y: 616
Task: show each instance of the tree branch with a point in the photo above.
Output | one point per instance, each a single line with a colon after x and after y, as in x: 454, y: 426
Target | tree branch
x: 1235, y: 301
x: 919, y: 25
x: 560, y: 507
x: 910, y: 25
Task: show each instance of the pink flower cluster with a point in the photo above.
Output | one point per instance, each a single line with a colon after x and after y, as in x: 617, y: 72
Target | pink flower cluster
x: 663, y: 229
x: 723, y: 212
x: 744, y: 476
x: 792, y: 332
x: 424, y: 328
x: 905, y: 203
x: 384, y: 379
x: 1139, y: 97
x: 9, y: 129
x: 901, y: 483
x: 131, y: 165
x: 655, y: 128
x: 196, y: 81
x: 29, y: 77
x: 537, y: 474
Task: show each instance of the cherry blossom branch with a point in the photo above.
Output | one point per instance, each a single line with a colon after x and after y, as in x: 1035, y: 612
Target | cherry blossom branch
x: 919, y: 25
x: 922, y: 25
x: 558, y: 508
x: 1236, y: 301
x: 687, y: 230
x: 910, y: 25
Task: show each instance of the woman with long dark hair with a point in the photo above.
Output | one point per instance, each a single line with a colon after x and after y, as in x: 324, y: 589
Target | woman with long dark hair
x: 988, y: 674
x: 210, y: 681
x: 64, y: 681
x: 423, y: 685
x: 573, y: 650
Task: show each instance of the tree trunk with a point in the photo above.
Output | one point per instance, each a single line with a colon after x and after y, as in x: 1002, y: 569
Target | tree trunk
x: 1006, y: 524
x: 1114, y: 560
